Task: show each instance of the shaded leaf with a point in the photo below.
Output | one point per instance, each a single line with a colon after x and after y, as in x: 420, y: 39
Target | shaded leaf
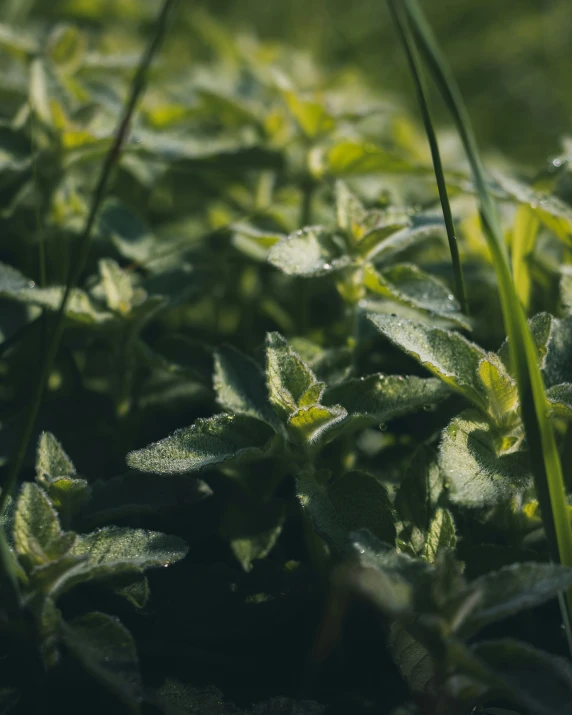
x: 107, y: 651
x: 511, y: 589
x: 241, y: 387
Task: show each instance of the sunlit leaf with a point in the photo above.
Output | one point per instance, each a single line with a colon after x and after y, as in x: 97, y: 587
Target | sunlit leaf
x: 311, y: 251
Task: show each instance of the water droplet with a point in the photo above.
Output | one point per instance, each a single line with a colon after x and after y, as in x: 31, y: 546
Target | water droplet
x: 557, y: 162
x: 31, y: 284
x: 327, y: 267
x: 136, y: 139
x: 383, y: 427
x: 428, y: 408
x: 450, y: 297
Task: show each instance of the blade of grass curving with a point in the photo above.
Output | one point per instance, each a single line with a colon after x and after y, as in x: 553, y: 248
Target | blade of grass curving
x: 137, y: 87
x: 402, y: 24
x: 544, y: 455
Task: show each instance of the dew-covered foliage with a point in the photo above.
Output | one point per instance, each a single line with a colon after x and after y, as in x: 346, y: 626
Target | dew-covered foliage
x: 258, y: 457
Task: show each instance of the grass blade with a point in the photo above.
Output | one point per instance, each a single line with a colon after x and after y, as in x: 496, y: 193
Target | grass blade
x: 544, y: 455
x: 402, y: 24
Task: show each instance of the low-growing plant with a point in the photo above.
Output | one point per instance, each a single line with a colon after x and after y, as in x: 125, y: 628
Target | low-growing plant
x: 322, y: 366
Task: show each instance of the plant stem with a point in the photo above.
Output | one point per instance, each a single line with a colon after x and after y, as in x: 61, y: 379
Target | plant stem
x: 402, y: 24
x: 137, y: 87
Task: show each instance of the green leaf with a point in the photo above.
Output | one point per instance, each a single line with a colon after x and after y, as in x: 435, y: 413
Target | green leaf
x: 204, y: 444
x: 560, y: 399
x: 313, y: 425
x: 501, y: 390
x: 441, y: 534
x: 407, y: 284
x: 413, y: 660
x: 291, y: 383
x: 356, y: 158
x: 107, y: 651
x: 51, y: 460
x: 115, y: 552
x: 416, y: 500
x: 476, y: 472
x: 396, y: 232
x: 446, y: 354
x: 253, y: 528
x: 38, y: 537
x: 350, y: 211
x: 314, y: 497
x: 311, y: 251
x: 312, y: 116
x: 241, y: 387
x: 557, y: 368
x: 80, y: 307
x: 537, y: 681
x: 117, y: 285
x: 128, y: 232
x: 66, y: 47
x: 376, y: 399
x: 401, y: 583
x: 253, y: 242
x: 509, y: 590
x: 361, y: 501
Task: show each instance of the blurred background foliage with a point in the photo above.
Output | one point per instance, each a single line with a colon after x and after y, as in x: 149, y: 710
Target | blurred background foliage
x: 512, y: 58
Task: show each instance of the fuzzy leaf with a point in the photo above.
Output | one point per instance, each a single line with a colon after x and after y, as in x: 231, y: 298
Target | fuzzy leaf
x: 107, y: 651
x: 501, y: 389
x: 252, y: 528
x: 291, y: 383
x: 509, y: 590
x: 314, y: 424
x: 311, y: 251
x: 413, y: 660
x: 417, y: 498
x: 204, y: 444
x: 560, y: 399
x: 446, y: 354
x: 38, y: 537
x: 557, y: 367
x: 395, y: 234
x: 241, y: 387
x: 51, y: 460
x: 441, y: 534
x: 407, y: 284
x: 375, y: 399
x: 474, y: 471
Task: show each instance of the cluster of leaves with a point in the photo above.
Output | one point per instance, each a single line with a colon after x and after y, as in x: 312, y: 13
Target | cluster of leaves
x: 266, y: 334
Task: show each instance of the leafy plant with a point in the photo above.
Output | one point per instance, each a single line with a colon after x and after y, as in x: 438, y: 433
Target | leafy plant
x: 271, y: 316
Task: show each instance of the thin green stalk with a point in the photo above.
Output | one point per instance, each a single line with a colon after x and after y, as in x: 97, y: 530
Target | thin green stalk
x: 416, y: 70
x: 544, y: 455
x: 137, y: 87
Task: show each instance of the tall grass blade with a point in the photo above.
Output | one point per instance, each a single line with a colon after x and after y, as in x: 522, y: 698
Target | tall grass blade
x: 402, y: 24
x: 544, y: 455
